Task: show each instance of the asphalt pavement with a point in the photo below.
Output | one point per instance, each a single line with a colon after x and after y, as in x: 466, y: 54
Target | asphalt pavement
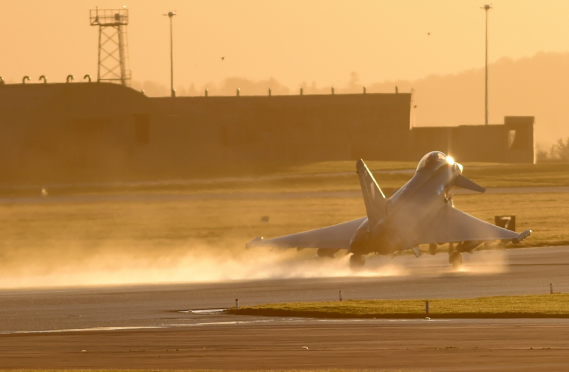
x: 486, y: 273
x: 180, y: 325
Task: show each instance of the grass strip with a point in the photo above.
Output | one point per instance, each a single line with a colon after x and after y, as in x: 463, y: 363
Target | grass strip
x: 530, y: 306
x: 314, y: 177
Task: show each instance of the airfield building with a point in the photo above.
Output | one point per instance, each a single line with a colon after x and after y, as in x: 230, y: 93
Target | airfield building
x: 92, y: 132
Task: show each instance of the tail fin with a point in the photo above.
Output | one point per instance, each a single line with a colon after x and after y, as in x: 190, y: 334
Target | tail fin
x: 373, y: 196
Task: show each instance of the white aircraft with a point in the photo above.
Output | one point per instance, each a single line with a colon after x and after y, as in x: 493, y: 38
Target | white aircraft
x: 420, y: 212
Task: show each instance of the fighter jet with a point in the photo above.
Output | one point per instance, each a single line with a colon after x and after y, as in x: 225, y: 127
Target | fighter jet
x: 420, y: 212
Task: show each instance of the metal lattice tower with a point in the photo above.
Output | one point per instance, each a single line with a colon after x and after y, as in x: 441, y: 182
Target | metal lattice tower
x: 113, y: 45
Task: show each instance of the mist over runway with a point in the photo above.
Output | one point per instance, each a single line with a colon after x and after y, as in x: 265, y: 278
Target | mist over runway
x: 486, y: 273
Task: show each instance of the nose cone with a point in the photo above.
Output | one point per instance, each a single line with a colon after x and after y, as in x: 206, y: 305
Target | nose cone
x: 457, y: 168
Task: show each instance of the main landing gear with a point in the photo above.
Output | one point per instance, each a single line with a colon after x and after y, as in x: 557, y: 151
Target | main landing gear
x: 357, y: 261
x: 432, y: 249
x: 454, y: 257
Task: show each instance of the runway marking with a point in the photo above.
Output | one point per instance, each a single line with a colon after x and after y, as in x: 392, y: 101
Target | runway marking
x: 204, y: 311
x: 417, y: 324
x: 234, y: 322
x: 92, y: 329
x: 127, y: 328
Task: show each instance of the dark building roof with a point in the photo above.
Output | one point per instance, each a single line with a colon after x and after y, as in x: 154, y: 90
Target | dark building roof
x: 91, y: 100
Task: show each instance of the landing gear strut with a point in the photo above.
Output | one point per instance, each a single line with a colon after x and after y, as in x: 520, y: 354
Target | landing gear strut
x: 357, y: 261
x: 432, y: 249
x: 455, y: 259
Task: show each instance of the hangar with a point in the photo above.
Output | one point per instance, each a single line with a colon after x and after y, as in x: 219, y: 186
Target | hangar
x: 98, y: 132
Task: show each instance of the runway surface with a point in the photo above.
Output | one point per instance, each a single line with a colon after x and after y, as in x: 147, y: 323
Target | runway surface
x: 418, y: 345
x: 50, y: 327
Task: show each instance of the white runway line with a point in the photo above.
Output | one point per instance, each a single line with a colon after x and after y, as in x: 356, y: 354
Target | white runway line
x: 93, y: 329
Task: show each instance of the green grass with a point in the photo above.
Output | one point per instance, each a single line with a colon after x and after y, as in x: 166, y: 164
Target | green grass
x: 345, y: 166
x: 326, y: 177
x: 534, y: 306
x: 341, y: 176
x: 376, y: 165
x: 522, y: 175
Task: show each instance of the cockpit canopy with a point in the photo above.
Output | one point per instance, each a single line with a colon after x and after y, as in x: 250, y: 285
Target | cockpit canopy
x: 434, y: 160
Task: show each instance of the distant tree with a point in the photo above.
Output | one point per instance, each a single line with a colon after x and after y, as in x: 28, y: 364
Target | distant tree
x: 560, y: 150
x: 542, y: 156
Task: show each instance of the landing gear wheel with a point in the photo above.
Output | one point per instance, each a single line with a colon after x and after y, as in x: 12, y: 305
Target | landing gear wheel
x: 357, y: 261
x: 433, y: 249
x: 455, y: 259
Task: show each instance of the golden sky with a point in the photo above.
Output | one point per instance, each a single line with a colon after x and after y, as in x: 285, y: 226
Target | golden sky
x: 292, y: 41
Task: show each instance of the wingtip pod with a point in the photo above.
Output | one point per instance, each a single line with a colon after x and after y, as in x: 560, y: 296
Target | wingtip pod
x: 465, y: 183
x: 521, y: 236
x: 257, y: 242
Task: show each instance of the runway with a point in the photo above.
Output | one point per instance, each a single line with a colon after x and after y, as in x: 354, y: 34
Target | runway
x: 49, y: 328
x: 487, y: 273
x: 382, y: 345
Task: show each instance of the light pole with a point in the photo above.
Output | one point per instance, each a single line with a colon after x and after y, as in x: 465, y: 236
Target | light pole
x: 486, y: 8
x: 172, y: 91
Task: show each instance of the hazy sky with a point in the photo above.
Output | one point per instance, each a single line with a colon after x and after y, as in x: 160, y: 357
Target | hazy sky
x: 291, y: 41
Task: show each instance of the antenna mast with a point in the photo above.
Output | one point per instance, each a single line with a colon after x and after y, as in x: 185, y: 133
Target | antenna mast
x: 113, y: 45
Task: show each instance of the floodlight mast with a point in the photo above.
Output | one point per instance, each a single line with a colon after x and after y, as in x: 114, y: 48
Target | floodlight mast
x: 112, y: 65
x: 486, y: 8
x: 172, y: 91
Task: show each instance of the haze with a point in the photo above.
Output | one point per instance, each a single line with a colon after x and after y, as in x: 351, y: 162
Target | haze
x: 315, y: 44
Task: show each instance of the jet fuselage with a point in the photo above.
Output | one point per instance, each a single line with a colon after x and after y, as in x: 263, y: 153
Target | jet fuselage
x: 407, y: 210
